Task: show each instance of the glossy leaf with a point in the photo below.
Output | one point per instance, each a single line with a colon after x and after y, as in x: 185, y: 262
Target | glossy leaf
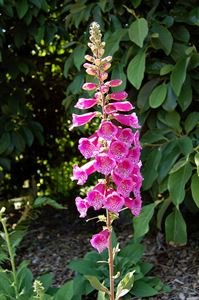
x: 166, y: 69
x: 176, y: 230
x: 125, y: 285
x: 170, y: 102
x: 138, y: 31
x: 136, y: 68
x: 78, y: 56
x: 161, y: 212
x: 178, y: 75
x: 196, y: 159
x: 144, y: 93
x: 158, y: 96
x: 185, y: 145
x: 185, y: 97
x: 172, y: 120
x: 141, y: 223
x: 195, y: 188
x: 96, y: 284
x: 65, y: 291
x: 143, y: 289
x: 164, y: 39
x: 21, y: 7
x: 191, y: 121
x: 5, y: 141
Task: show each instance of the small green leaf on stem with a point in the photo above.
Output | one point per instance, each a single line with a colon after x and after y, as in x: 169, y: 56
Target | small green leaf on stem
x: 97, y: 284
x: 125, y: 285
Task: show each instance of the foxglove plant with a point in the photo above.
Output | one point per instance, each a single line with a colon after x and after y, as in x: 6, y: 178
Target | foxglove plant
x: 113, y: 151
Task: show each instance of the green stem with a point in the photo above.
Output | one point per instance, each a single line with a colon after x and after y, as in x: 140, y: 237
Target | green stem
x: 110, y: 259
x: 3, y: 222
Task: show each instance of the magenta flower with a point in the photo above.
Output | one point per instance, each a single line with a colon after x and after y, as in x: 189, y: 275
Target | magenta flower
x: 81, y: 174
x: 99, y: 241
x: 95, y: 199
x: 118, y: 95
x: 121, y: 106
x: 125, y: 187
x: 134, y: 154
x: 128, y: 120
x: 87, y: 148
x: 124, y: 168
x: 104, y: 164
x: 79, y: 120
x: 107, y: 130
x: 134, y: 205
x: 89, y: 86
x: 114, y: 82
x: 118, y: 150
x: 82, y: 206
x: 114, y: 202
x: 100, y: 187
x: 126, y: 136
x: 84, y: 103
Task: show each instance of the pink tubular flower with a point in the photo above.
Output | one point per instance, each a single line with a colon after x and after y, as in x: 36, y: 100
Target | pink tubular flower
x: 125, y: 187
x: 128, y: 120
x: 87, y: 148
x: 134, y: 205
x: 104, y: 164
x: 89, y: 86
x: 114, y: 202
x: 107, y: 130
x: 79, y: 120
x: 118, y: 95
x: 134, y: 154
x: 99, y: 241
x: 126, y: 136
x: 118, y: 150
x: 124, y: 168
x: 82, y: 206
x: 84, y: 103
x: 81, y: 174
x: 114, y: 82
x: 121, y: 106
x: 95, y: 199
x: 100, y: 187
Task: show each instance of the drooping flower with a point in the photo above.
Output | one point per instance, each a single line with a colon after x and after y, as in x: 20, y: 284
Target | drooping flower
x: 118, y: 95
x: 124, y: 168
x: 134, y: 205
x: 79, y: 120
x: 87, y: 148
x: 107, y: 130
x: 104, y: 164
x: 95, y: 199
x: 85, y: 103
x: 82, y: 206
x: 128, y: 120
x: 81, y: 173
x: 99, y: 241
x: 125, y: 187
x: 114, y: 202
x: 118, y: 106
x: 126, y: 136
x: 118, y: 150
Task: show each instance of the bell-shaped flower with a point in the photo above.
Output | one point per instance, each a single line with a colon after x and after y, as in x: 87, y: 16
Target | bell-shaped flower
x: 81, y: 173
x: 95, y: 199
x: 118, y: 106
x: 118, y: 150
x: 114, y: 82
x: 79, y: 120
x: 101, y: 187
x: 107, y: 130
x: 124, y: 168
x: 125, y: 187
x: 87, y: 148
x: 126, y: 136
x: 134, y: 205
x: 82, y: 206
x: 118, y: 96
x: 114, y: 202
x: 85, y: 103
x: 89, y: 86
x: 104, y: 164
x: 127, y: 120
x: 100, y: 240
x: 134, y: 154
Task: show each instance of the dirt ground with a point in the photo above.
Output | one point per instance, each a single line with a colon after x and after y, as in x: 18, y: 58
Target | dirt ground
x: 57, y: 237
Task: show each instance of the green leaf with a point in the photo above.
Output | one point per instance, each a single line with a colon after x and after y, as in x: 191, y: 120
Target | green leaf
x: 22, y: 8
x: 143, y: 289
x: 185, y: 97
x: 136, y: 3
x: 118, y: 72
x: 181, y: 163
x: 85, y: 267
x: 27, y: 133
x: 176, y: 183
x: 161, y: 212
x: 133, y: 251
x: 144, y: 93
x: 154, y: 135
x: 96, y: 284
x: 195, y: 188
x: 18, y: 142
x: 5, y: 141
x: 125, y: 285
x: 68, y: 65
x: 176, y: 230
x: 193, y: 16
x: 5, y: 163
x: 65, y: 291
x: 43, y: 201
x: 138, y: 31
x: 166, y: 69
x: 46, y: 280
x: 178, y: 75
x: 158, y: 95
x: 164, y: 39
x: 181, y: 33
x: 170, y: 102
x: 78, y: 55
x: 172, y: 119
x: 136, y: 68
x: 185, y: 145
x: 196, y: 159
x: 191, y: 121
x: 141, y: 223
x: 101, y: 296
x: 150, y: 168
x: 113, y: 40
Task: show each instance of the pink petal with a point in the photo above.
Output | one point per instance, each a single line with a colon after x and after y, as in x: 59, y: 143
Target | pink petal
x: 107, y: 130
x: 87, y: 148
x: 101, y: 187
x: 126, y: 136
x: 99, y: 241
x: 118, y: 150
x: 114, y: 202
x: 134, y: 154
x: 89, y: 86
x: 125, y: 187
x: 81, y: 174
x: 104, y: 164
x: 114, y: 82
x: 121, y: 106
x: 84, y: 103
x: 118, y: 95
x: 79, y: 120
x: 134, y: 205
x: 82, y: 206
x: 95, y: 199
x: 128, y: 120
x: 124, y: 168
